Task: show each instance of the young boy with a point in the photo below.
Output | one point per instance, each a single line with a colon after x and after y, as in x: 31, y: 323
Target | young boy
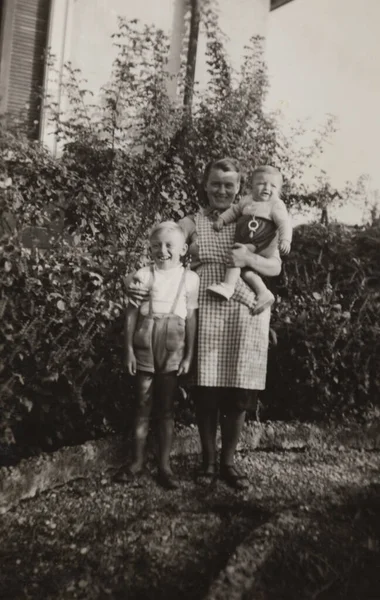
x: 159, y: 343
x: 258, y: 220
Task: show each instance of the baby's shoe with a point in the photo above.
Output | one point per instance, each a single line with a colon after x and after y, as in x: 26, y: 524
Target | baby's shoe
x: 264, y: 300
x: 222, y: 290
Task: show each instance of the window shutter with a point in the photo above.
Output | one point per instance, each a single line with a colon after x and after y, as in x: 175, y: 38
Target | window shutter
x: 27, y: 57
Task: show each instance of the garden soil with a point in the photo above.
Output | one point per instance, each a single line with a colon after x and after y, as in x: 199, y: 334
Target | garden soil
x: 317, y: 512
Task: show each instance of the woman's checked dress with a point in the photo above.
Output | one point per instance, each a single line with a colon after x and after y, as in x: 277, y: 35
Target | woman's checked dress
x: 232, y: 343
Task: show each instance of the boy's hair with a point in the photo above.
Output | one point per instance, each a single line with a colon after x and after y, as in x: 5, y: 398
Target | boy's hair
x: 166, y: 226
x: 267, y: 169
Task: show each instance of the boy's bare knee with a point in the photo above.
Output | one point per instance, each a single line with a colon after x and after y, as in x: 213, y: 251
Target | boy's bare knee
x: 142, y: 428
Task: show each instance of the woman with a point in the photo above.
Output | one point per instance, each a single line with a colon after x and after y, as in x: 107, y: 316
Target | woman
x: 232, y: 342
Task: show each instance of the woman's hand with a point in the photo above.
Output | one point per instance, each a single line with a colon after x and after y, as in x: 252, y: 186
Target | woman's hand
x: 136, y: 291
x: 238, y: 256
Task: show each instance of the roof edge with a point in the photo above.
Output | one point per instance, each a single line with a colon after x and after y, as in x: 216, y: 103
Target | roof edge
x: 278, y: 3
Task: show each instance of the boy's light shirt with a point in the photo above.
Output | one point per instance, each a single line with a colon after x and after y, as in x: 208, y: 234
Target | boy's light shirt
x: 273, y: 209
x: 165, y: 289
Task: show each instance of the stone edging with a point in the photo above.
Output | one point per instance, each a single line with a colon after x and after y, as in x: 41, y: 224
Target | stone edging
x: 287, y: 436
x: 46, y: 471
x: 238, y: 577
x: 38, y: 474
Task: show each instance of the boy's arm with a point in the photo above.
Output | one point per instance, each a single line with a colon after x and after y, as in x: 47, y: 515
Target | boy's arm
x: 191, y: 331
x: 131, y: 315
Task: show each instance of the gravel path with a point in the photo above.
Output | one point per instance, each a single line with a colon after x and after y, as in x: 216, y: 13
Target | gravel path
x: 95, y: 539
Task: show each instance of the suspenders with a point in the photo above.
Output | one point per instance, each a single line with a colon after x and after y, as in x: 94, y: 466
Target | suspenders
x: 179, y: 290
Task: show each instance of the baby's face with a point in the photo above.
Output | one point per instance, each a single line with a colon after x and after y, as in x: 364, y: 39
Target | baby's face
x: 265, y: 186
x: 167, y: 247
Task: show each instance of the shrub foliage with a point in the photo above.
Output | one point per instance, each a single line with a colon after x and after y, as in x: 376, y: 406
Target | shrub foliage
x: 132, y: 159
x: 326, y: 363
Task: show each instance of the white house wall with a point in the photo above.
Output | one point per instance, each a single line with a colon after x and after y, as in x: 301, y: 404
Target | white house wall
x: 80, y: 32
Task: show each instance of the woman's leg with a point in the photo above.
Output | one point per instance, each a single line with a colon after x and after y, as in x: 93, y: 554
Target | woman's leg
x: 206, y: 409
x: 232, y: 417
x: 231, y: 425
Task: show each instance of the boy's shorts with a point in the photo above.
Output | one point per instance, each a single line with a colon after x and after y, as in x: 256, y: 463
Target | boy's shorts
x: 159, y: 343
x: 261, y: 238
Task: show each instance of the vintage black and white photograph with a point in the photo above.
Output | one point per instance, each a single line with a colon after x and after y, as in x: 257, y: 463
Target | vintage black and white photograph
x: 189, y: 300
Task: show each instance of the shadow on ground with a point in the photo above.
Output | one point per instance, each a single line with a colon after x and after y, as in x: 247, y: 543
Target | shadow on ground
x: 94, y: 539
x: 97, y: 539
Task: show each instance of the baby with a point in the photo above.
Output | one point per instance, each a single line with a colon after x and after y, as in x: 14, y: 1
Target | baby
x: 160, y: 332
x: 258, y: 220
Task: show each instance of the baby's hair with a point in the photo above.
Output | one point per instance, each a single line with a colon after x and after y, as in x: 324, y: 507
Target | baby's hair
x: 267, y: 169
x: 166, y: 226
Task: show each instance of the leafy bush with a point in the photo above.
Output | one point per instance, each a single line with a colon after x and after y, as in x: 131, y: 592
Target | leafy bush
x: 124, y: 163
x: 326, y: 363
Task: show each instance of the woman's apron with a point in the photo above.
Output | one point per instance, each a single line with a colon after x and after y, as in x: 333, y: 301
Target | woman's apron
x: 232, y: 343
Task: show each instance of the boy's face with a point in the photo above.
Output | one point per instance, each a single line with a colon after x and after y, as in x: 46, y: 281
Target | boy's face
x: 167, y: 247
x: 265, y: 186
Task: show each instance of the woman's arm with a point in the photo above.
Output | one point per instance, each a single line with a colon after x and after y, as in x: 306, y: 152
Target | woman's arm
x: 187, y: 224
x: 135, y: 288
x: 240, y: 256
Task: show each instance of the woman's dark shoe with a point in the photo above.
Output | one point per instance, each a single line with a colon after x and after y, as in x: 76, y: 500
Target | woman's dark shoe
x: 167, y: 480
x: 206, y: 475
x: 233, y: 477
x: 126, y: 475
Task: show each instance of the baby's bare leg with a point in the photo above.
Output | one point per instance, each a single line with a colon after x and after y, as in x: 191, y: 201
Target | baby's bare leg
x: 265, y: 297
x: 254, y: 281
x: 232, y: 276
x: 226, y: 288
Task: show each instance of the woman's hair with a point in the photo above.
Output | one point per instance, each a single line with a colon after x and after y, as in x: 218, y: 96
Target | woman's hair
x: 166, y: 226
x: 221, y: 164
x: 267, y: 169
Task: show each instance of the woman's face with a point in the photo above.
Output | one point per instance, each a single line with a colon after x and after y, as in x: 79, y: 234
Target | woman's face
x: 221, y: 188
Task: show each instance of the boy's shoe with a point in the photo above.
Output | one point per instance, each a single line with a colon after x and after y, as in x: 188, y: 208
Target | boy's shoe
x: 231, y: 475
x: 222, y: 290
x: 264, y: 300
x: 167, y: 480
